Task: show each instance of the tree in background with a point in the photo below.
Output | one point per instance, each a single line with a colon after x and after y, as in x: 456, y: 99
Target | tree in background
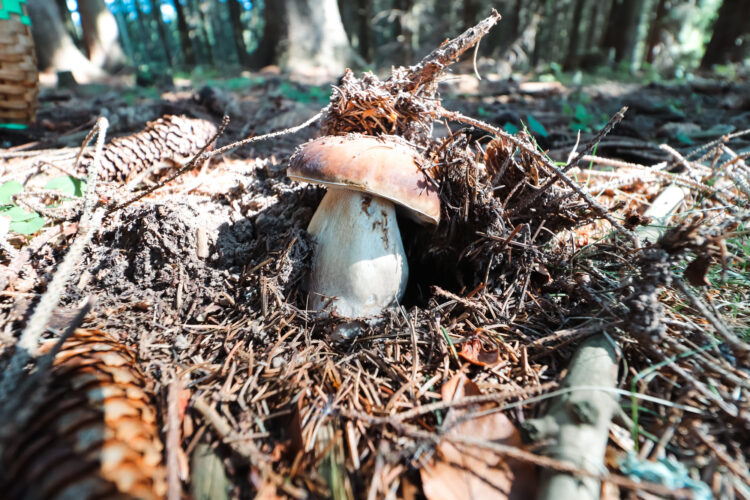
x: 68, y: 21
x: 730, y: 36
x: 55, y: 50
x: 162, y: 30
x: 312, y: 35
x: 303, y: 35
x: 100, y: 35
x: 235, y: 16
x: 183, y: 29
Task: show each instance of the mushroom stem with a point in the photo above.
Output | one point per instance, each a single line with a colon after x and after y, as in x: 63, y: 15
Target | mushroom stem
x: 359, y: 265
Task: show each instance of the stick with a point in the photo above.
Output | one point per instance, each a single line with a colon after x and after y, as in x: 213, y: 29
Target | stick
x: 434, y: 62
x: 588, y: 148
x: 578, y: 423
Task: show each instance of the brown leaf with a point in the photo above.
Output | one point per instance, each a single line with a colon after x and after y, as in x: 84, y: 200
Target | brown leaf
x: 473, y: 352
x: 696, y: 271
x: 460, y: 471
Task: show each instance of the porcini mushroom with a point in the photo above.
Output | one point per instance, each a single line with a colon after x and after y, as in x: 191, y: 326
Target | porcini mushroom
x: 359, y: 265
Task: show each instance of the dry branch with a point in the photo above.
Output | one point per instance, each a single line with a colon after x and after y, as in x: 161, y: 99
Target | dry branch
x: 578, y: 422
x: 425, y: 72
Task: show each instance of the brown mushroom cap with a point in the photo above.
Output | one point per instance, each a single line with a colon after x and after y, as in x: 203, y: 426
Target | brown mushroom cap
x: 382, y: 166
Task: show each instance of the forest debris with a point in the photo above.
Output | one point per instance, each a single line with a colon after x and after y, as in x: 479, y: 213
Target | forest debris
x: 666, y: 471
x: 97, y: 413
x: 209, y: 480
x: 474, y: 352
x: 423, y: 76
x: 404, y: 104
x: 463, y: 472
x: 578, y: 421
x: 168, y: 140
x: 253, y: 348
x: 660, y: 211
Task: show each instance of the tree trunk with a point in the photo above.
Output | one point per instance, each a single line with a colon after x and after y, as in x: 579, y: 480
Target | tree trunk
x: 731, y: 35
x: 55, y: 50
x: 365, y: 13
x: 403, y: 30
x: 188, y: 52
x: 590, y: 42
x: 123, y: 32
x: 162, y: 30
x: 626, y: 25
x: 654, y: 31
x: 68, y: 21
x: 100, y: 34
x: 543, y: 35
x: 147, y: 51
x: 235, y: 17
x: 571, y: 58
x: 204, y: 26
x: 303, y: 35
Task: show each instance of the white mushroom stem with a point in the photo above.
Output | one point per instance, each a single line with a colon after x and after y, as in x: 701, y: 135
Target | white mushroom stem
x: 359, y: 265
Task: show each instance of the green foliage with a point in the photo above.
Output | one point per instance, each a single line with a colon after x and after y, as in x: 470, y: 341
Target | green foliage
x: 71, y: 186
x: 536, y: 127
x: 581, y: 118
x: 21, y: 221
x: 684, y: 138
x: 7, y: 190
x: 25, y: 222
x: 510, y: 128
x: 306, y: 95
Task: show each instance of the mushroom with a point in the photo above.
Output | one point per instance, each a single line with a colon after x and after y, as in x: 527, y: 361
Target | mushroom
x: 359, y: 265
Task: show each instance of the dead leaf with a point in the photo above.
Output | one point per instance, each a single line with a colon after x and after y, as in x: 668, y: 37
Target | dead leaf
x: 474, y: 352
x: 696, y: 271
x: 461, y: 471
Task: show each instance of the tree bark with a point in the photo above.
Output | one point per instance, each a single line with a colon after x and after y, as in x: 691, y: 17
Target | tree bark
x: 145, y: 37
x: 68, y: 22
x: 403, y: 31
x: 365, y: 13
x: 55, y: 50
x: 571, y: 58
x: 235, y: 17
x: 626, y: 27
x: 731, y: 35
x: 100, y: 35
x: 590, y: 42
x: 188, y: 52
x: 303, y: 35
x: 162, y: 30
x: 204, y: 26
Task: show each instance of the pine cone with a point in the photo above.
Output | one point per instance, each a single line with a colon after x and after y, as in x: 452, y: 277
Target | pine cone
x: 170, y: 139
x: 95, y: 434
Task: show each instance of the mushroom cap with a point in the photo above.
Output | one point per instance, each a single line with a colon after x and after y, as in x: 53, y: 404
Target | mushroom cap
x: 384, y: 166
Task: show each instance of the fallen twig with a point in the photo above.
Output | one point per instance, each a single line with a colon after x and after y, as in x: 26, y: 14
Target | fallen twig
x: 578, y: 423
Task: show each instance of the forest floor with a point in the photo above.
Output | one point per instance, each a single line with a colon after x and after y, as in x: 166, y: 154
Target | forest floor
x: 204, y: 279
